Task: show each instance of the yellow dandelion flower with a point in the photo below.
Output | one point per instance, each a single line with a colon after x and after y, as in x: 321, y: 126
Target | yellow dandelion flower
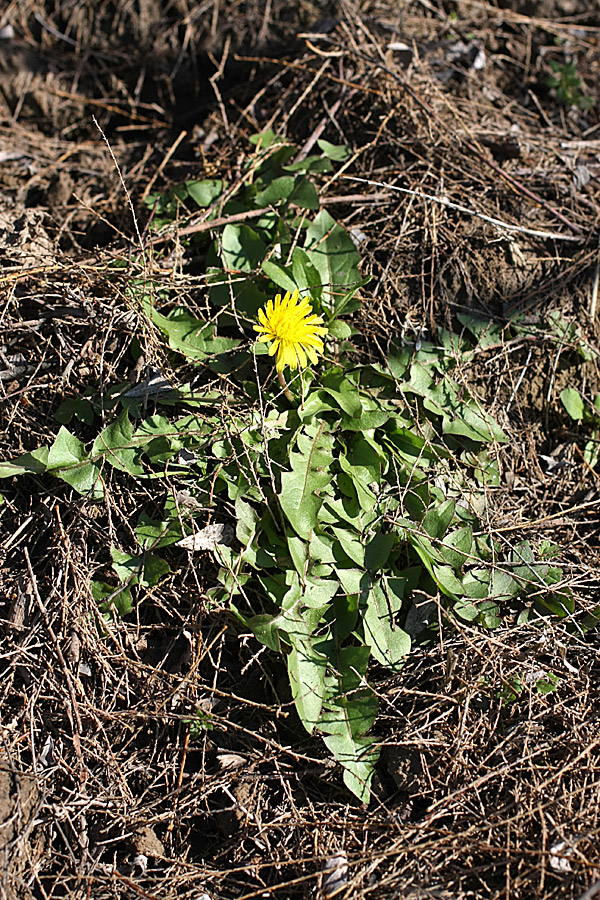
x: 295, y: 332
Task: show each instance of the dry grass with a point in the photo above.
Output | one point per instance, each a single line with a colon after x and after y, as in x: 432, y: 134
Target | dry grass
x: 98, y: 766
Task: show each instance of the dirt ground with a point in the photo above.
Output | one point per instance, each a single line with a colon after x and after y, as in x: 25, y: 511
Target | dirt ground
x: 103, y: 792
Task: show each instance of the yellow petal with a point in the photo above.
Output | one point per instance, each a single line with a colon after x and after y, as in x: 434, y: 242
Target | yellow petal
x: 312, y: 356
x: 291, y: 358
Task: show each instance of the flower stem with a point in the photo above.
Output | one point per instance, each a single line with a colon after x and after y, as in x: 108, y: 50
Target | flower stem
x: 286, y: 389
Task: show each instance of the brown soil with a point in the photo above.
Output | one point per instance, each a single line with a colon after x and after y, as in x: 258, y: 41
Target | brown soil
x: 101, y: 102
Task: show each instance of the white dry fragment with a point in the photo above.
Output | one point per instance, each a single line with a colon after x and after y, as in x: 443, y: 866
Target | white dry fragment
x: 231, y: 760
x: 581, y: 176
x: 534, y: 676
x: 184, y: 498
x: 479, y: 61
x: 208, y: 538
x: 334, y: 874
x: 559, y: 857
x: 155, y: 383
x: 403, y: 53
x: 357, y: 236
x: 47, y: 760
x: 140, y: 862
x: 187, y: 457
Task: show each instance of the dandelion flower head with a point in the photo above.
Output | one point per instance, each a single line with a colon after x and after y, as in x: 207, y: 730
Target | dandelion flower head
x: 294, y: 330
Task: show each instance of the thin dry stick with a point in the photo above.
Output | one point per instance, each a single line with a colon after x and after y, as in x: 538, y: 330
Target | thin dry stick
x: 214, y: 223
x: 165, y: 160
x: 122, y: 180
x: 520, y: 188
x: 254, y: 213
x: 445, y: 202
x: 73, y: 710
x: 594, y: 299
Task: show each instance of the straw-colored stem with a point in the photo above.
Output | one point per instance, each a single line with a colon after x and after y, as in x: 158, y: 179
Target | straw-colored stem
x: 286, y: 389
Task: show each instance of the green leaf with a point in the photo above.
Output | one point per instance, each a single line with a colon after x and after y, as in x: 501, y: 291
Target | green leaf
x: 189, y: 336
x: 77, y: 408
x: 347, y: 399
x: 345, y: 615
x: 340, y: 329
x: 319, y: 592
x: 317, y: 164
x: 358, y: 756
x: 399, y: 362
x: 146, y: 569
x: 367, y: 458
x: 412, y: 449
x: 262, y: 140
x: 331, y: 251
x: 306, y: 670
x: 457, y: 546
x: 347, y: 302
x: 504, y: 585
x: 354, y: 581
x: 277, y: 192
x: 310, y: 473
x: 367, y: 421
x: 547, y: 683
x: 351, y: 544
x: 85, y: 479
x: 438, y: 518
x: 67, y: 450
x: 474, y: 424
x: 33, y: 463
x: 115, y: 445
x: 337, y: 152
x: 573, y: 403
x: 204, y: 193
x: 247, y: 522
x: 111, y: 599
x: 476, y: 584
x: 466, y: 610
x: 557, y: 604
x: 304, y: 195
x: 351, y: 706
x: 489, y: 614
x: 305, y: 274
x: 279, y: 275
x: 389, y: 644
x: 68, y: 460
x: 447, y: 581
x: 486, y: 332
x: 591, y: 451
x: 156, y: 533
x: 126, y: 567
x: 349, y: 710
x: 241, y: 248
x: 364, y: 494
x: 153, y: 568
x: 378, y: 550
